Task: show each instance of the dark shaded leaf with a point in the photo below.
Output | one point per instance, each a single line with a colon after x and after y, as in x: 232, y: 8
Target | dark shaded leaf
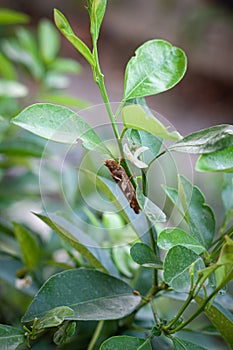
x: 91, y: 294
x: 28, y: 245
x: 125, y: 342
x: 142, y: 254
x: 181, y: 344
x: 221, y: 318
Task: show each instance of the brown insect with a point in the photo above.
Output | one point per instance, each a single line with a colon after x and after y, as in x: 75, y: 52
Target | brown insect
x: 121, y: 178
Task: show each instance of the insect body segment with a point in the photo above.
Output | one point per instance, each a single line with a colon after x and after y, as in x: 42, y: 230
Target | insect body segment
x: 121, y: 178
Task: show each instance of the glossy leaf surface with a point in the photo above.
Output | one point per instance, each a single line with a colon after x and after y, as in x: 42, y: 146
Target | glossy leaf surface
x: 142, y: 254
x: 177, y: 266
x: 171, y: 237
x: 10, y: 337
x: 156, y: 67
x: 58, y: 123
x: 64, y: 26
x: 151, y: 210
x: 134, y: 117
x: 96, y: 11
x: 54, y: 317
x: 139, y: 138
x: 191, y: 203
x: 216, y: 161
x: 207, y: 140
x: 91, y: 294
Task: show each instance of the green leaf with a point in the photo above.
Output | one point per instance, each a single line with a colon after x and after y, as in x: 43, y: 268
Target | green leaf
x: 65, y: 28
x: 28, y: 245
x: 191, y: 203
x: 26, y: 56
x: 227, y: 193
x: 154, y: 213
x: 177, y: 264
x: 22, y: 147
x: 54, y: 317
x: 75, y: 237
x: 9, y: 267
x: 91, y: 294
x: 156, y: 67
x: 181, y: 344
x: 28, y: 42
x: 171, y: 237
x: 142, y: 254
x: 125, y: 342
x: 134, y: 117
x: 65, y: 65
x: 8, y: 16
x: 48, y: 40
x: 12, y: 89
x: 123, y: 261
x: 139, y: 138
x: 216, y: 161
x: 221, y: 318
x: 225, y: 261
x: 64, y: 333
x: 58, y: 123
x: 10, y: 337
x: 199, y: 215
x: 7, y: 69
x: 54, y: 80
x: 63, y: 99
x: 96, y: 12
x: 206, y: 141
x: 112, y: 191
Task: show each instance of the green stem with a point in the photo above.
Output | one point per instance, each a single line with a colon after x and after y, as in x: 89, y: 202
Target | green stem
x: 199, y: 310
x: 180, y: 312
x: 155, y: 313
x: 96, y: 335
x: 184, y: 306
x: 123, y: 133
x: 119, y: 108
x: 99, y: 79
x: 151, y: 233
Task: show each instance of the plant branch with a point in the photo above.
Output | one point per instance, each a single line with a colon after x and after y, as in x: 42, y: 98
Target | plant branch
x: 151, y: 233
x: 95, y: 335
x: 199, y: 310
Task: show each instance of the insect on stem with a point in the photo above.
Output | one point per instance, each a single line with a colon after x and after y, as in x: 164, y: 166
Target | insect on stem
x: 119, y: 175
